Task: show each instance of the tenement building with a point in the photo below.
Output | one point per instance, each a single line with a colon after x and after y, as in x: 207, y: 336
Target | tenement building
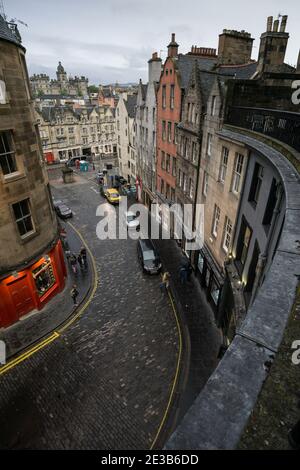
x: 32, y: 268
x: 67, y: 132
x: 125, y: 131
x: 146, y: 132
x: 173, y: 82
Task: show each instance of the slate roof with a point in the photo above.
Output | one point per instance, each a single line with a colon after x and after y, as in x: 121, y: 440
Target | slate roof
x: 7, y: 34
x: 244, y: 71
x: 130, y: 104
x: 185, y: 66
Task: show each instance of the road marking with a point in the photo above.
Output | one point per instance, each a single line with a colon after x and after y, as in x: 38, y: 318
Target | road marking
x: 176, y: 374
x: 56, y: 334
x: 93, y: 189
x: 28, y: 353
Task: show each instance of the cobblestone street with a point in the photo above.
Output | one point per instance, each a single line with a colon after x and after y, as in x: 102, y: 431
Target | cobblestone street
x: 106, y: 381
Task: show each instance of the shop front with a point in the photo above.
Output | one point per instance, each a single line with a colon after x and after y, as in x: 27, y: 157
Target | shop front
x: 30, y: 289
x: 210, y: 278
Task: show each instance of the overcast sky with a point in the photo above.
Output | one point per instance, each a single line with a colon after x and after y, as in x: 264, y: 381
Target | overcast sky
x: 112, y: 40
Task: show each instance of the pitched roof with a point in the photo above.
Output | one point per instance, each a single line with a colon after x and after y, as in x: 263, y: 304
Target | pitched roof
x: 130, y: 104
x: 185, y: 65
x: 8, y: 34
x: 243, y: 71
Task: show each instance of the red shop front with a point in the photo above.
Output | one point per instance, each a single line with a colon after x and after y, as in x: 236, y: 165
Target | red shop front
x: 29, y: 289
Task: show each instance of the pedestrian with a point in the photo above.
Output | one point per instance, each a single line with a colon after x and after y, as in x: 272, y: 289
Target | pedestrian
x: 183, y: 275
x: 80, y: 261
x: 68, y: 254
x: 83, y: 255
x: 73, y: 261
x: 74, y: 294
x: 164, y: 286
x: 93, y: 166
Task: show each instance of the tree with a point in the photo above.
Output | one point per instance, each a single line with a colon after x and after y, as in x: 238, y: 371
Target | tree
x: 93, y: 89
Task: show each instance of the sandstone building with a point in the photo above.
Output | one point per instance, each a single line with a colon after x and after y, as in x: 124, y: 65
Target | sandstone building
x: 32, y: 268
x: 42, y: 85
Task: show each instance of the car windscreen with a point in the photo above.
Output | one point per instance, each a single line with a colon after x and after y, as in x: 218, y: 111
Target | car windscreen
x: 63, y: 208
x: 113, y: 195
x: 149, y: 255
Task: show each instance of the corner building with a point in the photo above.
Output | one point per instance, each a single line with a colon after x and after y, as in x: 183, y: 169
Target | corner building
x: 32, y: 268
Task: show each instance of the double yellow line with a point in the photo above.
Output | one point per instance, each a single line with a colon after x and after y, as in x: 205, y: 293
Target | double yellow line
x: 175, y: 380
x: 56, y: 334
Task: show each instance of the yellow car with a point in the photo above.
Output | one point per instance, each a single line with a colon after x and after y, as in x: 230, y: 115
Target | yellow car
x: 112, y: 196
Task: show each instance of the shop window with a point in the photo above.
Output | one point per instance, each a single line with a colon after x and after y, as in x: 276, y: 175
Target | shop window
x: 256, y: 183
x: 215, y: 292
x: 7, y: 154
x: 200, y: 263
x: 44, y: 278
x: 270, y: 204
x: 243, y: 242
x: 23, y: 217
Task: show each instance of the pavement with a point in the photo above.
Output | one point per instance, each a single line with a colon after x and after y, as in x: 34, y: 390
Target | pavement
x: 204, y: 338
x: 37, y: 324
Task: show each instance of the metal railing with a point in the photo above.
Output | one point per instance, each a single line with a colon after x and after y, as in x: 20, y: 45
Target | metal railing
x: 281, y: 125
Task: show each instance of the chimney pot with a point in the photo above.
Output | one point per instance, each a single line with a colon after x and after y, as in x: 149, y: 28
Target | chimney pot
x: 283, y: 23
x: 269, y: 23
x: 275, y: 26
x: 173, y: 37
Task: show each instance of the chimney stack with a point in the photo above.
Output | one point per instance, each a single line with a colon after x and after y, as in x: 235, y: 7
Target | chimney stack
x: 154, y: 68
x: 235, y: 47
x: 173, y: 47
x: 273, y: 44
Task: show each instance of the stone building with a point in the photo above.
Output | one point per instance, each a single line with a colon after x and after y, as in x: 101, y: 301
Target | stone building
x: 146, y: 132
x: 125, y: 131
x: 32, y: 268
x: 173, y: 82
x: 42, y: 85
x: 68, y: 132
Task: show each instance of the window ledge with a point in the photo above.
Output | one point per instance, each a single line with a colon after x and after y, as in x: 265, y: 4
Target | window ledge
x: 13, y: 177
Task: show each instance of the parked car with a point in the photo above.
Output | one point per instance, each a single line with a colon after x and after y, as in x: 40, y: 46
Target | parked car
x: 131, y: 220
x: 63, y: 211
x: 120, y: 179
x: 56, y: 202
x: 112, y: 195
x: 148, y: 257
